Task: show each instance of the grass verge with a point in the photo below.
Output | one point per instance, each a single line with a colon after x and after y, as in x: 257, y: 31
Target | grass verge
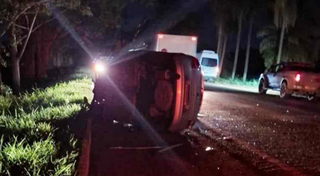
x: 238, y: 82
x: 37, y: 129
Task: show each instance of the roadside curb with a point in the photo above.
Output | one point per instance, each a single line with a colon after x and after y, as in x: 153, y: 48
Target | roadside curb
x: 84, y: 158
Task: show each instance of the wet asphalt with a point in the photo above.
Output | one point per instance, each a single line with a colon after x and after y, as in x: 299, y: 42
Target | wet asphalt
x: 238, y: 133
x: 279, y: 137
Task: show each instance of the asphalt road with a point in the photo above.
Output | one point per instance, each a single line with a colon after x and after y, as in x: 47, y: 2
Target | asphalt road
x: 120, y: 146
x: 239, y: 133
x: 275, y: 136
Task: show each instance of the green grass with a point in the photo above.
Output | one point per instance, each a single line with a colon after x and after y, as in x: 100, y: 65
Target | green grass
x: 238, y: 82
x: 35, y: 129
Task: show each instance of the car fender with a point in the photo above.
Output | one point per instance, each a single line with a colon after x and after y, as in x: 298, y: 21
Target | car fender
x: 265, y: 78
x: 289, y: 85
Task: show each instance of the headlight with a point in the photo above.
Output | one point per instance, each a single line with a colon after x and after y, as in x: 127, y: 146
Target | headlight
x: 100, y: 68
x: 217, y: 70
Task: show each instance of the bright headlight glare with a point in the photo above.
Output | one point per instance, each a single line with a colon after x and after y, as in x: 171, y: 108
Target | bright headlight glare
x: 217, y: 69
x: 100, y: 68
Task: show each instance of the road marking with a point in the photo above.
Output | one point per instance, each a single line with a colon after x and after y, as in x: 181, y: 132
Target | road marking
x: 290, y: 171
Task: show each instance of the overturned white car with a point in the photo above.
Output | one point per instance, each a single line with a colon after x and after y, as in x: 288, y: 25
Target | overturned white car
x: 163, y: 89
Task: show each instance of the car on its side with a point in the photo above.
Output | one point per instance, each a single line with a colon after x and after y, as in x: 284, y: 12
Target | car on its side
x: 292, y: 78
x: 166, y: 88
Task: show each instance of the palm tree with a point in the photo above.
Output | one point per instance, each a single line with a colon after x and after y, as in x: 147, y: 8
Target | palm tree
x: 293, y: 50
x: 246, y: 65
x: 240, y: 15
x: 224, y: 48
x: 221, y: 10
x: 241, y: 10
x: 285, y: 14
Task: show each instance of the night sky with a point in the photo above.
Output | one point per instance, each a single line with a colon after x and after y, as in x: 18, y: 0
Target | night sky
x: 181, y: 9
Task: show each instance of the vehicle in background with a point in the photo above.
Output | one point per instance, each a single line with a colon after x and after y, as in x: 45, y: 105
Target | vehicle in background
x: 177, y: 44
x: 297, y: 79
x: 166, y: 88
x: 209, y: 62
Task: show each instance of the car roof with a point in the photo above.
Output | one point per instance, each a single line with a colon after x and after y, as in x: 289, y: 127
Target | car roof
x: 148, y: 55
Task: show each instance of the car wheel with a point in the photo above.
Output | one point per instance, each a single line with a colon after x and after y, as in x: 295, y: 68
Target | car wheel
x: 262, y: 87
x: 311, y: 97
x: 284, y: 91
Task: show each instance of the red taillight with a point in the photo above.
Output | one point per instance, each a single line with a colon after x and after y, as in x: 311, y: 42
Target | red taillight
x: 298, y: 77
x: 194, y: 38
x: 195, y: 63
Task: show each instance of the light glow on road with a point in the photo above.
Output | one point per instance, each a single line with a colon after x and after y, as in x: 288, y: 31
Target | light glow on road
x: 249, y: 89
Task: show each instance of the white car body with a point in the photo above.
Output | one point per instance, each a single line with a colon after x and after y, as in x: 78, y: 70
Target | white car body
x: 209, y: 62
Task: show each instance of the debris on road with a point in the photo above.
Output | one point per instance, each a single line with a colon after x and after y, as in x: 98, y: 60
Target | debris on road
x: 136, y: 148
x: 170, y: 148
x: 208, y: 149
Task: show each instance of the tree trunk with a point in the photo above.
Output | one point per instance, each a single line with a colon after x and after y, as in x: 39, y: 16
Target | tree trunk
x: 15, y: 61
x: 237, y: 47
x: 15, y: 58
x: 16, y: 76
x: 223, y: 54
x: 248, y: 49
x: 219, y: 48
x: 281, y: 43
x: 315, y: 53
x: 0, y: 65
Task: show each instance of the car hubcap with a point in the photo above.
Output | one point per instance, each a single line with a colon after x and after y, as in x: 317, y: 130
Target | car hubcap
x: 260, y: 87
x: 310, y: 97
x: 283, y: 90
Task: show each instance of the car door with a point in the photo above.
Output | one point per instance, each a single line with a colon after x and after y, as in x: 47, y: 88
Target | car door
x: 271, y: 75
x: 278, y: 75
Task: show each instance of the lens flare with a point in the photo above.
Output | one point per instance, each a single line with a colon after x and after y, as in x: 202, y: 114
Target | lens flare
x: 99, y: 68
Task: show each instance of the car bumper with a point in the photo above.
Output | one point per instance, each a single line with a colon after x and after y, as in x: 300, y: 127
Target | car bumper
x: 207, y: 77
x: 306, y: 89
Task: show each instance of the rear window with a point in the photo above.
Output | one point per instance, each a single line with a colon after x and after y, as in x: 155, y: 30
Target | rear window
x: 209, y: 62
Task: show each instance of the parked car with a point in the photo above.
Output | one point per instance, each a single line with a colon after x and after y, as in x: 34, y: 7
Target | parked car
x: 298, y: 79
x: 165, y: 88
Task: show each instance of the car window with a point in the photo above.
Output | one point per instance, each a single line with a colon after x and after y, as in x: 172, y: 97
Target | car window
x: 209, y: 62
x: 280, y: 68
x: 274, y: 68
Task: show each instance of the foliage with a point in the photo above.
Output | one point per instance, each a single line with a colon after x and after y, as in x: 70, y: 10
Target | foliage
x: 285, y: 13
x: 239, y: 82
x: 5, y: 90
x: 293, y: 50
x: 36, y: 139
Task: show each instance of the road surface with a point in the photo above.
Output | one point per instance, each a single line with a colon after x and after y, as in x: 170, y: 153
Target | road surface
x: 238, y: 133
x: 280, y: 137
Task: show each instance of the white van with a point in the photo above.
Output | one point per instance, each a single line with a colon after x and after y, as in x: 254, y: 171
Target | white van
x: 209, y: 61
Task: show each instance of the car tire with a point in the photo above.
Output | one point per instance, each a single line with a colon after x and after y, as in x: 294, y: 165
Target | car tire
x: 262, y: 87
x: 284, y: 91
x: 311, y: 97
